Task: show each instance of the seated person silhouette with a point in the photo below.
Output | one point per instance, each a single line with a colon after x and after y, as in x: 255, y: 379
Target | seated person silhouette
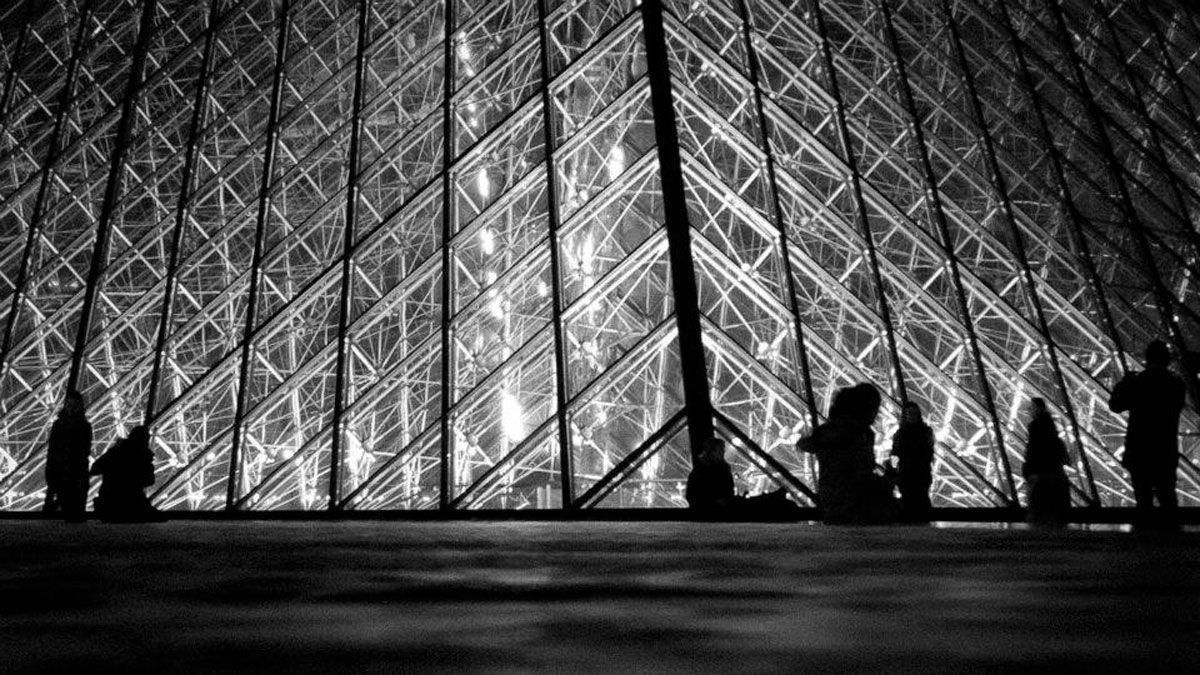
x: 127, y: 469
x: 710, y: 484
x: 710, y: 490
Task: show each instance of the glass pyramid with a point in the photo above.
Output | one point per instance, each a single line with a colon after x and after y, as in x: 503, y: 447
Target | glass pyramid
x: 525, y: 254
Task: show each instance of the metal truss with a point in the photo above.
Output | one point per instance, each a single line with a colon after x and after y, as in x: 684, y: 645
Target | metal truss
x: 505, y: 254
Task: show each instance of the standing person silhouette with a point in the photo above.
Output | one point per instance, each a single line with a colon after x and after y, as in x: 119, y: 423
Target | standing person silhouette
x: 1154, y: 399
x: 912, y: 446
x: 1045, y: 455
x: 67, y: 456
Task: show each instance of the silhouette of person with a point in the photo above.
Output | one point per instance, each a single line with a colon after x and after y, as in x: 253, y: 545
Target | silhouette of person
x: 710, y: 490
x: 912, y: 446
x: 67, y: 455
x: 1049, y: 493
x: 710, y: 484
x: 1154, y: 399
x: 848, y: 489
x: 127, y: 469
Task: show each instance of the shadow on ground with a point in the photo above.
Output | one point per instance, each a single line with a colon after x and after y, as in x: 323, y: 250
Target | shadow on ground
x: 519, y: 596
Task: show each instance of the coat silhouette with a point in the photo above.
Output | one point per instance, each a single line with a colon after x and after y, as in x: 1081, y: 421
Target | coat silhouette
x: 67, y: 455
x: 1049, y: 494
x: 848, y: 489
x: 1154, y: 399
x: 127, y: 470
x: 912, y: 446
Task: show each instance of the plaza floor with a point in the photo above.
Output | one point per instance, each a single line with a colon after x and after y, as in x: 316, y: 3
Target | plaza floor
x: 339, y: 597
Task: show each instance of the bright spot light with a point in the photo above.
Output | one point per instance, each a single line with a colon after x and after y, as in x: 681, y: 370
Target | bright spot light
x: 616, y: 162
x: 496, y: 306
x: 487, y: 240
x: 490, y: 277
x: 510, y: 417
x: 587, y: 255
x: 542, y: 289
x: 483, y: 184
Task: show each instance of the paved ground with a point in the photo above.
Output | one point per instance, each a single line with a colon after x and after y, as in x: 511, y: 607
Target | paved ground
x: 519, y: 596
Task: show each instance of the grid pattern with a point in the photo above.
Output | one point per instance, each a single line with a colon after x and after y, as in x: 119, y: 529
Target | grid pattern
x: 505, y: 254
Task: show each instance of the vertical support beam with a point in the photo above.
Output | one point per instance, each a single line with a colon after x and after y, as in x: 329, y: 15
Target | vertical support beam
x: 1163, y: 298
x: 183, y: 208
x: 900, y: 390
x: 66, y: 99
x: 566, y: 465
x: 341, y: 376
x: 260, y: 226
x: 1028, y: 280
x: 679, y: 238
x: 445, y: 450
x: 112, y: 187
x: 1150, y: 23
x: 1075, y: 220
x: 937, y: 213
x: 1157, y: 148
x: 764, y: 142
x: 14, y: 63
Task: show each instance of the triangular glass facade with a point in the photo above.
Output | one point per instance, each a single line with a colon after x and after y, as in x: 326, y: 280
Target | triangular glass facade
x: 523, y: 254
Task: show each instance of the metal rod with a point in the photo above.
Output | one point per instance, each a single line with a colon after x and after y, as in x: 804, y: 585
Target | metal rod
x: 1164, y: 300
x: 764, y: 139
x: 352, y: 168
x: 864, y: 223
x: 1077, y: 223
x: 66, y: 100
x: 937, y: 214
x: 1000, y: 188
x: 183, y: 208
x: 15, y: 63
x: 444, y: 449
x: 566, y: 464
x: 260, y: 225
x: 683, y: 275
x: 112, y: 187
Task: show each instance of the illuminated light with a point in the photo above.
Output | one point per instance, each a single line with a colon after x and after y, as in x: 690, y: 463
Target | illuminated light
x: 616, y: 162
x: 590, y: 348
x: 483, y: 184
x: 587, y: 255
x: 649, y: 470
x: 510, y: 417
x: 397, y: 281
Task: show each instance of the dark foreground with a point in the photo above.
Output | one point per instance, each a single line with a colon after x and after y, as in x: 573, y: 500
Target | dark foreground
x: 520, y: 596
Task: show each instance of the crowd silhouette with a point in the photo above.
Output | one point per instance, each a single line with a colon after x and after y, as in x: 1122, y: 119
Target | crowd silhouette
x: 126, y: 470
x: 853, y: 489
